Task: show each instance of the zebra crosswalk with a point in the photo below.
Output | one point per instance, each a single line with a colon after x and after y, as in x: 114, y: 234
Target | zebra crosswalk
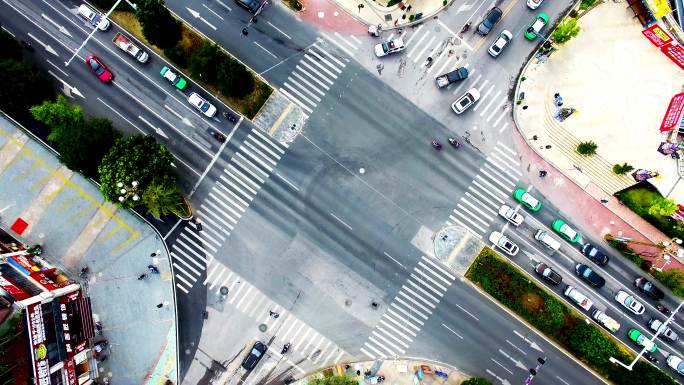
x: 411, y: 308
x: 493, y: 183
x: 193, y: 250
x: 317, y: 70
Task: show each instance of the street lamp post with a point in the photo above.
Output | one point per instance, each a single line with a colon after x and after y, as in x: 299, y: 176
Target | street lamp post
x: 128, y: 193
x: 643, y: 350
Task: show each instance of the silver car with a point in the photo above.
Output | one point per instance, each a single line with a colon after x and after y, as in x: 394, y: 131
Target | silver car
x: 511, y: 215
x: 501, y: 241
x: 504, y: 38
x: 464, y: 102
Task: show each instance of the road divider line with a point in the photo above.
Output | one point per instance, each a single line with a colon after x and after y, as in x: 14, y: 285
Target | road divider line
x: 466, y: 311
x: 398, y: 263
x: 279, y: 30
x: 451, y: 330
x: 498, y: 363
x: 341, y: 221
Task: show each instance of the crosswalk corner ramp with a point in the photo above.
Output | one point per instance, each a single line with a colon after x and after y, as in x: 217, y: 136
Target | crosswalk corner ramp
x: 280, y: 118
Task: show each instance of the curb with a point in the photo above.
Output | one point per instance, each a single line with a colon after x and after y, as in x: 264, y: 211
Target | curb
x: 136, y: 214
x: 409, y: 24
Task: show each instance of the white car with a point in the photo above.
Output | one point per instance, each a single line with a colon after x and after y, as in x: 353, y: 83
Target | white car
x: 464, y: 102
x: 388, y: 47
x: 94, y: 18
x: 504, y: 38
x: 204, y: 106
x: 534, y: 4
x: 511, y: 215
x: 675, y: 363
x: 630, y: 302
x: 502, y: 242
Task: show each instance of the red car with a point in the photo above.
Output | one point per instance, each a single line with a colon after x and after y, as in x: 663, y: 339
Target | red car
x: 99, y: 69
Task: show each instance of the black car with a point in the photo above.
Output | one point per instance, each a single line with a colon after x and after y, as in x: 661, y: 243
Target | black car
x: 254, y: 356
x: 547, y: 273
x: 251, y: 5
x: 647, y: 287
x: 594, y: 254
x: 589, y: 275
x: 492, y: 17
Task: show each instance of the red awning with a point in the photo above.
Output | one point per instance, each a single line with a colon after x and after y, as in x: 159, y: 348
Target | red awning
x: 673, y: 113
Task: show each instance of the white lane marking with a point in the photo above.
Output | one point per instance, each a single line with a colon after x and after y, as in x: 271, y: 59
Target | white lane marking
x: 466, y: 311
x: 329, y: 55
x: 502, y: 176
x: 484, y: 97
x: 341, y: 221
x: 480, y: 197
x: 301, y: 95
x: 408, y: 314
x: 432, y: 289
x: 478, y: 209
x: 364, y: 351
x: 513, y: 345
x: 422, y: 52
x: 562, y: 380
x: 311, y: 86
x: 414, y: 34
x: 468, y: 220
x: 286, y: 181
x: 434, y: 64
x: 473, y: 216
x: 409, y: 307
x: 498, y: 363
x: 293, y: 99
x: 264, y: 48
x: 515, y: 162
x: 311, y: 77
x: 398, y: 263
x: 484, y: 111
x: 182, y: 288
x: 278, y: 29
x: 503, y: 128
x: 355, y: 39
x: 319, y: 65
x: 212, y: 11
x: 458, y: 222
x: 345, y: 40
x: 439, y: 44
x: 439, y: 277
x: 328, y: 63
x: 224, y: 5
x: 506, y: 148
x: 410, y: 54
x: 439, y: 267
x: 451, y: 330
x: 498, y: 109
x: 320, y: 75
x: 340, y: 46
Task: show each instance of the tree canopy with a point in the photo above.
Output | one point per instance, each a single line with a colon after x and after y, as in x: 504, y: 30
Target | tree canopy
x: 24, y: 87
x: 565, y: 31
x: 158, y: 25
x: 134, y: 158
x: 81, y: 143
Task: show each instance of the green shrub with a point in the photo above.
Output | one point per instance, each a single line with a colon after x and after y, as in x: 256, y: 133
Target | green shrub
x: 565, y: 31
x: 590, y: 344
x: 640, y: 199
x: 586, y: 4
x: 622, y: 169
x: 673, y: 279
x: 393, y: 2
x: 587, y: 148
x: 412, y: 17
x: 177, y: 56
x: 476, y: 381
x: 444, y: 3
x: 294, y: 4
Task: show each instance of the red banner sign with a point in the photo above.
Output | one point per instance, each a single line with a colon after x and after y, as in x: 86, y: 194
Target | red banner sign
x: 41, y: 367
x: 44, y: 281
x: 657, y: 35
x: 673, y: 113
x: 12, y: 289
x: 675, y: 53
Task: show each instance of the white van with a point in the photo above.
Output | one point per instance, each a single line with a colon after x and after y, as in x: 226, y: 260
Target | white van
x: 578, y: 298
x: 93, y: 17
x: 547, y: 240
x: 606, y: 321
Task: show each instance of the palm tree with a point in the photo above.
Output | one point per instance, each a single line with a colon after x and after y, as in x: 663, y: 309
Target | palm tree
x: 565, y: 31
x: 162, y: 197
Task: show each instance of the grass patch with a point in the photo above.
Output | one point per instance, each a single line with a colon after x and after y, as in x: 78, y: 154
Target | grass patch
x: 565, y: 325
x: 295, y: 5
x: 179, y: 55
x: 639, y: 199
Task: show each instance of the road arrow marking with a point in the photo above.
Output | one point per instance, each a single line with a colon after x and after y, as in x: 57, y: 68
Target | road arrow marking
x: 503, y: 380
x: 67, y: 89
x: 156, y: 129
x: 46, y: 46
x: 533, y: 344
x: 60, y: 27
x: 517, y: 363
x: 196, y: 15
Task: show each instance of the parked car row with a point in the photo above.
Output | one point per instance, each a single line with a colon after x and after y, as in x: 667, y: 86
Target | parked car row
x: 124, y: 43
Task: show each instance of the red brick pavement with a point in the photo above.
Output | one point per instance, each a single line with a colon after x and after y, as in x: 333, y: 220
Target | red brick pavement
x: 327, y: 16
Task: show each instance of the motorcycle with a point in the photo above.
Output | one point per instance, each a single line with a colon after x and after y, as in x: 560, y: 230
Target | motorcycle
x: 663, y: 309
x: 374, y: 30
x: 286, y: 347
x: 153, y: 269
x: 219, y: 136
x: 230, y: 117
x: 454, y: 142
x: 651, y: 358
x: 466, y: 27
x: 437, y: 145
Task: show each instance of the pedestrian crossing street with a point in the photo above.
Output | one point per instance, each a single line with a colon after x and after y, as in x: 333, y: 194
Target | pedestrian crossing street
x: 494, y: 182
x: 318, y: 69
x: 193, y: 251
x: 422, y: 43
x: 411, y: 308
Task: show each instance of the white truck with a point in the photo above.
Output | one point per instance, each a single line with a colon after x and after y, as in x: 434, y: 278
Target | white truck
x: 125, y: 44
x: 606, y: 321
x: 451, y: 77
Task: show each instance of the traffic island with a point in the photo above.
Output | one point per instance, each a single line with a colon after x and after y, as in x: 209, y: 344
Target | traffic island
x: 516, y: 290
x: 394, y: 372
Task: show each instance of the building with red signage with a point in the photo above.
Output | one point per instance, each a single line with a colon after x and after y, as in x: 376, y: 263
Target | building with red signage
x: 53, y: 319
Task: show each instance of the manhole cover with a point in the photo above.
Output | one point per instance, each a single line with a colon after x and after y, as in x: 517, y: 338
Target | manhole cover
x: 347, y: 302
x: 388, y: 17
x: 263, y: 328
x: 223, y: 290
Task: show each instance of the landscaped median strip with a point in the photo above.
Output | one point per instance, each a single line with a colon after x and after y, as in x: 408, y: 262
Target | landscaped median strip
x: 565, y: 326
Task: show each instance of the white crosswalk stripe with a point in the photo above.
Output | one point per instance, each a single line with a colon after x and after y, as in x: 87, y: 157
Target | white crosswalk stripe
x: 221, y: 210
x: 407, y: 313
x: 317, y: 70
x: 493, y: 183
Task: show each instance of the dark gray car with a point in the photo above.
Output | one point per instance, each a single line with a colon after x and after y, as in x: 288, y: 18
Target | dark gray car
x: 589, y: 275
x: 254, y: 356
x: 251, y: 5
x: 593, y: 253
x: 491, y: 18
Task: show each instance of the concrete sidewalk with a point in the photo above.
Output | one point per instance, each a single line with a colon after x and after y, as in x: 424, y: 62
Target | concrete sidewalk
x: 375, y: 12
x: 395, y: 372
x: 619, y: 114
x: 68, y: 217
